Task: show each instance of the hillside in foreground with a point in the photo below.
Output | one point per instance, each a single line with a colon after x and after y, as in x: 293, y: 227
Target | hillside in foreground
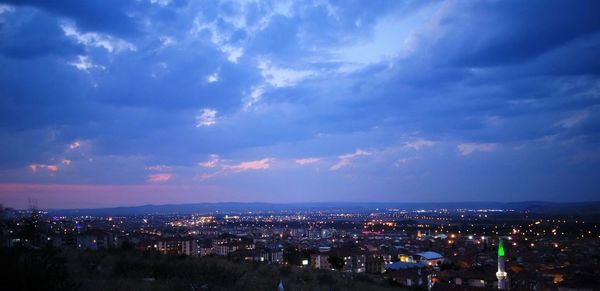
x: 27, y: 269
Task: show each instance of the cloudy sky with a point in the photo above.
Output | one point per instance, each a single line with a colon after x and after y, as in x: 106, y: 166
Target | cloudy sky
x: 107, y: 103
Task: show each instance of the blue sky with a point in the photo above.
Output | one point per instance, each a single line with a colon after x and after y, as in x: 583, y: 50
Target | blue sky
x: 107, y: 103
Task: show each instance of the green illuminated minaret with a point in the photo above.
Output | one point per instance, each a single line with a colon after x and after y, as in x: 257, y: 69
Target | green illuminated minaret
x: 501, y: 274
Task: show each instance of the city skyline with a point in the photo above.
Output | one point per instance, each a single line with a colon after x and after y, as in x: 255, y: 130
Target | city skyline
x: 123, y: 103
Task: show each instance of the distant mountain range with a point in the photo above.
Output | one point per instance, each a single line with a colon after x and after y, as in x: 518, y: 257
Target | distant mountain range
x: 582, y: 208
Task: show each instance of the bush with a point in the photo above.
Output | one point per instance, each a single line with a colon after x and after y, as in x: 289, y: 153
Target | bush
x: 28, y: 269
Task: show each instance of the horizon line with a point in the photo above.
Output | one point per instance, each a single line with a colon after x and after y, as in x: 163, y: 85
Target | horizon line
x: 313, y: 202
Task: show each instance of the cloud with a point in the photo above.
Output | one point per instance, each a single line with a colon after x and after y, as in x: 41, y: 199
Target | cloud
x: 392, y: 36
x: 114, y: 17
x: 255, y: 95
x: 469, y: 148
x: 307, y: 161
x: 282, y: 77
x: 158, y: 168
x: 346, y: 160
x: 36, y: 36
x: 233, y: 27
x: 159, y: 178
x: 83, y: 63
x: 92, y: 39
x: 418, y: 144
x: 250, y: 165
x: 219, y: 38
x: 224, y: 168
x: 233, y: 53
x: 511, y: 26
x: 167, y: 41
x: 212, y: 162
x: 208, y: 117
x: 5, y: 8
x: 300, y: 82
x: 65, y: 162
x: 212, y: 78
x: 573, y: 120
x: 74, y: 145
x: 34, y: 167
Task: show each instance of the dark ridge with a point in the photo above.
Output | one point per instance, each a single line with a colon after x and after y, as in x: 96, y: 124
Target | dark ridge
x: 583, y: 208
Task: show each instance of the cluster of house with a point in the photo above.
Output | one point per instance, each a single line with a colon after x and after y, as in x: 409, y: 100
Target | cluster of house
x: 231, y: 246
x: 91, y: 239
x: 358, y: 261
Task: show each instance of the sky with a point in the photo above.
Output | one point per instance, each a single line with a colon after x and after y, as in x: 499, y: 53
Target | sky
x: 109, y: 102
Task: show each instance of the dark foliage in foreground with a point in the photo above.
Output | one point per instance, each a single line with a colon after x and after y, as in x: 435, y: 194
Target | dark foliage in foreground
x: 30, y: 269
x: 47, y: 269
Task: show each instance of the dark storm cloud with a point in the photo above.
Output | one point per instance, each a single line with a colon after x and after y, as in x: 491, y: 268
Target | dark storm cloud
x: 105, y: 16
x: 510, y: 32
x: 37, y: 36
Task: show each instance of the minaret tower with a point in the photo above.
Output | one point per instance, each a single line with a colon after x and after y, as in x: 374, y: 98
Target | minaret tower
x: 501, y: 274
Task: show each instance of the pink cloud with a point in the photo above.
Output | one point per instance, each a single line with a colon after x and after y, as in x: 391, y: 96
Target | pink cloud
x: 251, y: 165
x: 212, y: 162
x: 35, y: 167
x: 75, y: 145
x: 340, y: 164
x: 216, y: 162
x: 203, y: 177
x: 346, y: 160
x: 208, y: 117
x: 66, y: 162
x: 307, y: 161
x: 159, y: 178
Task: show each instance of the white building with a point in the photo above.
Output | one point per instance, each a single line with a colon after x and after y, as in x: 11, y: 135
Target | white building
x: 431, y: 258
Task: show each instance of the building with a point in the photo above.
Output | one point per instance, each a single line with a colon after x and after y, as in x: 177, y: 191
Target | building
x: 501, y: 274
x: 431, y: 258
x: 95, y: 239
x: 320, y: 261
x: 228, y: 243
x: 374, y: 264
x: 406, y: 265
x: 189, y: 247
x: 274, y: 255
x: 267, y: 255
x: 413, y: 277
x: 205, y: 248
x: 178, y: 246
x: 354, y: 261
x: 224, y: 249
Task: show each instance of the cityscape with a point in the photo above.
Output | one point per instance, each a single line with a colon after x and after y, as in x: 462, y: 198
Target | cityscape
x: 328, y: 145
x: 535, y: 247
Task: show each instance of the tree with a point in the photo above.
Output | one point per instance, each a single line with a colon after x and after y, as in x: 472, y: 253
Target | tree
x: 336, y: 262
x: 29, y: 269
